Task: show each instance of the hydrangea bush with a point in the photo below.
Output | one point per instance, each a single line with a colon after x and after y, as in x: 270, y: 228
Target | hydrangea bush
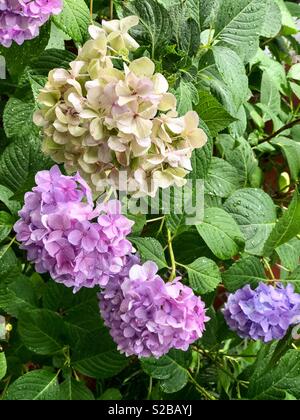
x: 108, y: 291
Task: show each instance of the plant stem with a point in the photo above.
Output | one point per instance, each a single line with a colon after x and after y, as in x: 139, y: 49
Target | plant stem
x: 109, y: 193
x: 91, y: 9
x: 181, y: 265
x: 111, y: 9
x: 3, y: 252
x: 214, y: 360
x: 161, y: 227
x: 7, y: 382
x: 267, y: 265
x: 207, y: 395
x: 172, y: 256
x: 76, y: 376
x: 150, y: 388
x: 283, y: 268
x: 282, y: 129
x: 155, y: 220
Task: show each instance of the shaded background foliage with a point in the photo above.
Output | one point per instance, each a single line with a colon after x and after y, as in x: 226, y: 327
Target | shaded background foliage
x: 237, y: 63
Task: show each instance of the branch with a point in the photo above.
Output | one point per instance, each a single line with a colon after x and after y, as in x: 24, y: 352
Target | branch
x: 286, y: 127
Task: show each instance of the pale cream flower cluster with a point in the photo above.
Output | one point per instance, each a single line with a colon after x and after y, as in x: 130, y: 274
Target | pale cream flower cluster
x: 106, y: 115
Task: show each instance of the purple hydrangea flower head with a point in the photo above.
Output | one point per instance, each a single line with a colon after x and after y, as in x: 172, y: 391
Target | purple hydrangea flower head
x: 148, y: 317
x: 264, y: 313
x: 20, y: 20
x: 63, y: 234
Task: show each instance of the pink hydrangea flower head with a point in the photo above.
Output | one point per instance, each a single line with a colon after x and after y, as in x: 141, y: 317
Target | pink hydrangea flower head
x: 58, y: 228
x: 20, y: 20
x: 148, y: 317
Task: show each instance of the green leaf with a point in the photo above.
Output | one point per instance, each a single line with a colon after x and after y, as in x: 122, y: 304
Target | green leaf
x: 272, y: 20
x: 151, y: 249
x: 72, y: 390
x: 3, y: 365
x: 204, y: 275
x: 193, y: 10
x: 51, y: 59
x: 170, y: 369
x: 289, y: 397
x: 293, y: 8
x: 139, y: 220
x: 216, y: 332
x: 238, y: 24
x: 57, y: 38
x: 222, y: 179
x: 240, y: 155
x: 255, y: 213
x: 289, y: 254
x: 269, y: 115
x: 294, y: 72
x: 247, y: 270
x: 10, y: 266
x: 18, y: 296
x: 197, y: 247
x: 296, y: 89
x: 155, y: 26
x: 274, y: 383
x: 208, y: 11
x: 287, y: 227
x: 185, y: 28
x: 42, y: 331
x: 289, y: 24
x: 6, y: 224
x: 36, y: 385
x: 26, y: 52
x: 201, y: 160
x: 232, y: 70
x: 17, y: 118
x: 291, y: 150
x: 273, y: 68
x: 176, y: 223
x: 111, y: 394
x: 294, y: 278
x: 212, y: 113
x: 37, y: 83
x: 270, y: 96
x: 80, y: 311
x: 96, y: 356
x: 221, y: 233
x: 186, y: 95
x: 189, y: 40
x: 74, y: 20
x: 20, y: 162
x: 6, y: 198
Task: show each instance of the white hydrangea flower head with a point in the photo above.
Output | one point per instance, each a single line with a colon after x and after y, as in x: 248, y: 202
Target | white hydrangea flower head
x: 102, y: 120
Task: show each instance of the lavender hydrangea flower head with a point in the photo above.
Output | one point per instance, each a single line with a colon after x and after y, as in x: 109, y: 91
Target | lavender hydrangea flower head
x: 148, y: 317
x: 20, y: 20
x: 264, y: 313
x: 59, y: 231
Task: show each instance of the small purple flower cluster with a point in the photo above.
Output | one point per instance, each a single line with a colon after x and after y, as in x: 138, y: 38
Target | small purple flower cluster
x: 148, y: 317
x: 20, y: 20
x: 58, y: 232
x: 263, y: 314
